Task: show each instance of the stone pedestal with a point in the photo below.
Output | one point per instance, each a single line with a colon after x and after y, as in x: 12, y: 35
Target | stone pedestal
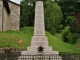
x: 39, y: 41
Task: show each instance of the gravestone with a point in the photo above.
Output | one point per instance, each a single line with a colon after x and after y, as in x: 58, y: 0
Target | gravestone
x: 39, y: 38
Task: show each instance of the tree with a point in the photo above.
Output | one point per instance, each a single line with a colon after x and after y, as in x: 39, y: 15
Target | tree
x: 68, y: 36
x: 27, y: 16
x: 53, y: 16
x: 68, y: 9
x: 70, y: 20
x: 75, y: 26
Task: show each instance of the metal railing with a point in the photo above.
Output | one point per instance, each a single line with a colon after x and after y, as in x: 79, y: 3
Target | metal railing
x: 61, y: 56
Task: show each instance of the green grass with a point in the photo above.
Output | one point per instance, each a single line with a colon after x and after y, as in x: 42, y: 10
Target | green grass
x: 11, y: 38
x: 59, y: 45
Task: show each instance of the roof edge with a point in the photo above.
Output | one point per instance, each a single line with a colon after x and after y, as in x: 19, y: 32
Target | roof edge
x: 14, y: 2
x: 11, y: 2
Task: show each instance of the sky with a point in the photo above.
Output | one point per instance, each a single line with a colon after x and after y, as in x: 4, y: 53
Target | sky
x: 16, y: 1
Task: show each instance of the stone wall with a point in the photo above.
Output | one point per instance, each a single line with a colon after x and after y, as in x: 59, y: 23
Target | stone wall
x: 1, y: 8
x: 5, y: 19
x: 9, y: 21
x: 14, y: 17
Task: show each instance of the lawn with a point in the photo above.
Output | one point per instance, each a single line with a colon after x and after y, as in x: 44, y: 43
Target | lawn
x: 12, y: 38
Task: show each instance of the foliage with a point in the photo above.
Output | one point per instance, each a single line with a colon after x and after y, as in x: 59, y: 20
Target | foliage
x: 68, y: 36
x: 53, y: 16
x: 70, y: 20
x: 27, y: 16
x: 72, y: 37
x: 70, y: 11
x: 66, y: 10
x: 65, y: 32
x: 75, y: 27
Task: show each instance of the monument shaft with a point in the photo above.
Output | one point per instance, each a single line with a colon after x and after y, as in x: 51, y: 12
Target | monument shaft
x: 39, y: 28
x: 39, y: 38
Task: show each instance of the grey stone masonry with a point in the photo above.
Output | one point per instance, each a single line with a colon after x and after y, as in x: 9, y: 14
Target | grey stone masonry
x: 39, y: 28
x: 39, y: 38
x: 14, y: 17
x: 1, y: 7
x: 9, y: 15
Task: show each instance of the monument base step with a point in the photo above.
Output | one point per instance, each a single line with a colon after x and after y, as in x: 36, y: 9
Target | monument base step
x: 34, y: 48
x: 36, y: 53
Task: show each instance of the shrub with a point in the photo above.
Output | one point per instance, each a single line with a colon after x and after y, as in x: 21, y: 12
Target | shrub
x: 68, y: 36
x: 65, y: 32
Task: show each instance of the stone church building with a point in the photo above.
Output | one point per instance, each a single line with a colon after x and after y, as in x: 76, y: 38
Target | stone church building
x: 9, y: 15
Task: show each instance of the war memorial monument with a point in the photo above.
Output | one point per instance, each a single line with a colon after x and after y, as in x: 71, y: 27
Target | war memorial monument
x: 39, y: 38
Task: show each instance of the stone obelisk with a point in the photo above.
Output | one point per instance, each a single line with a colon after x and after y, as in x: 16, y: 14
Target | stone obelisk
x: 39, y: 38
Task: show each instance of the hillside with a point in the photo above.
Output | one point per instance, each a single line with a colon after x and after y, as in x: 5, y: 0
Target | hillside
x: 11, y: 38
